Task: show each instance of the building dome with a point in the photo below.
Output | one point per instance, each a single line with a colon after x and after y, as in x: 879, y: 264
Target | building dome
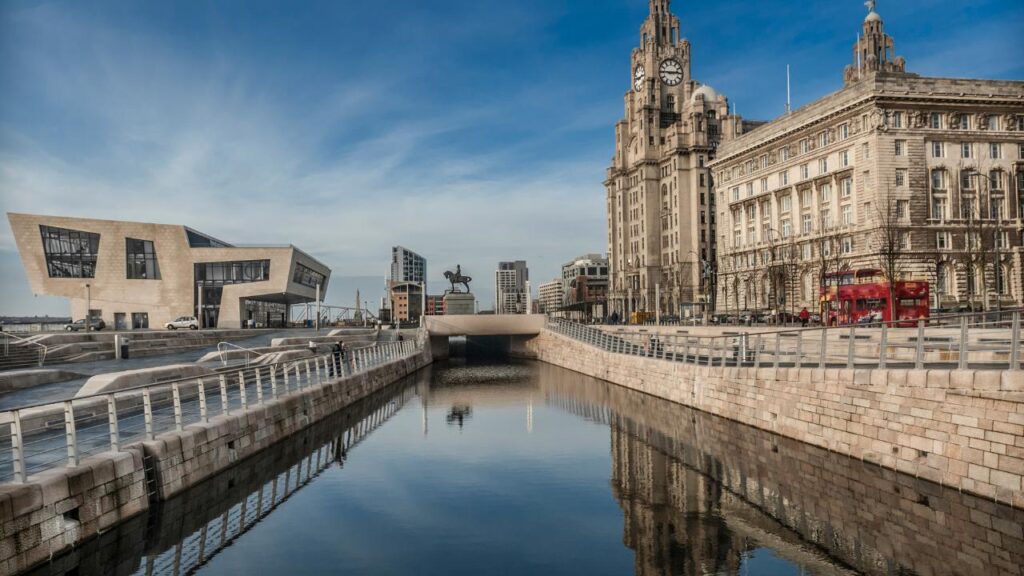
x: 873, y: 17
x: 707, y: 92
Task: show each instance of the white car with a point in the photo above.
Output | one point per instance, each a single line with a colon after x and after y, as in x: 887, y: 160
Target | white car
x: 189, y: 322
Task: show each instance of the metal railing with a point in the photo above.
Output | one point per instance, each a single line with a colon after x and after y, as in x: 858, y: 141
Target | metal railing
x: 18, y: 340
x: 983, y: 341
x: 53, y: 434
x: 221, y: 346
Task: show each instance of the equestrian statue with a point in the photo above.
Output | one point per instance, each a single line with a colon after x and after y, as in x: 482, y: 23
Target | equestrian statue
x: 457, y: 278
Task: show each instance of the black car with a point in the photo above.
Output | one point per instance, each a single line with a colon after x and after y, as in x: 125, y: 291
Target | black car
x: 95, y: 324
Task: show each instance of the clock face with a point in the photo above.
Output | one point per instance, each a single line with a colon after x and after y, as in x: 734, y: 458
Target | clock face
x: 671, y: 72
x: 638, y: 78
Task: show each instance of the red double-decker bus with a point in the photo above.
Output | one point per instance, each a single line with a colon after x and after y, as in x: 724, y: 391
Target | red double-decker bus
x: 862, y: 296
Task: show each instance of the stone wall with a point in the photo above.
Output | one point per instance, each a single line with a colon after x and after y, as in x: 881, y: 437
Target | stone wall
x: 958, y: 428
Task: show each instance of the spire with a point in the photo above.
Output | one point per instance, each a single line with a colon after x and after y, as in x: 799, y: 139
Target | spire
x: 874, y: 51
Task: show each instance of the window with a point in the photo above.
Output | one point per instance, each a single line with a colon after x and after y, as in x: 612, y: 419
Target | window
x: 806, y: 224
x: 70, y: 253
x: 943, y: 241
x: 935, y: 120
x: 903, y: 209
x: 901, y: 177
x: 995, y: 180
x: 897, y: 119
x: 238, y: 272
x: 764, y: 184
x: 787, y: 203
x: 784, y: 178
x: 901, y: 147
x: 784, y: 153
x: 995, y: 208
x: 825, y: 193
x: 751, y: 212
x: 805, y: 172
x: 805, y: 198
x: 844, y: 131
x: 826, y: 247
x: 995, y: 151
x: 822, y: 165
x: 865, y: 149
x: 750, y: 188
x: 804, y: 146
x: 1020, y: 151
x: 965, y: 122
x: 846, y: 187
x: 826, y: 219
x: 905, y: 240
x: 787, y: 228
x: 140, y: 258
x: 967, y: 207
x: 844, y: 158
x: 939, y: 208
x: 965, y: 179
x: 847, y: 212
x: 307, y: 276
x: 823, y: 139
x: 764, y: 161
x: 703, y: 180
x: 847, y: 245
x: 938, y: 150
x: 938, y: 179
x: 735, y: 193
x: 965, y: 150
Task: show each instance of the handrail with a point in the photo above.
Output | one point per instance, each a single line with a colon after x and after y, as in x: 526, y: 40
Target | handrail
x: 7, y: 343
x: 224, y: 362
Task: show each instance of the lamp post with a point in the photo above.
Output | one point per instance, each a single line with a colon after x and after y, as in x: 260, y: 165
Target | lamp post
x: 88, y: 308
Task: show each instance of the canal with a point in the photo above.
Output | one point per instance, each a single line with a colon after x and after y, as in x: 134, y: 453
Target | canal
x: 525, y: 468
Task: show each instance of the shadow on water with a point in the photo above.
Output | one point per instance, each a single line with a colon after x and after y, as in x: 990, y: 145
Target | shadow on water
x: 698, y: 494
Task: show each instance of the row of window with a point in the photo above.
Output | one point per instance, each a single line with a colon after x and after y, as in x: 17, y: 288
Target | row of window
x: 967, y: 150
x: 307, y: 277
x: 239, y: 272
x: 968, y: 178
x: 782, y: 178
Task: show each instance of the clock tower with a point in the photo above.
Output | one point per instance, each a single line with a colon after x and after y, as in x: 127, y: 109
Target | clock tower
x: 660, y: 203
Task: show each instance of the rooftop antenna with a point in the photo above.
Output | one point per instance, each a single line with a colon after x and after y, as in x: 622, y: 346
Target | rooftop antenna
x: 788, y: 101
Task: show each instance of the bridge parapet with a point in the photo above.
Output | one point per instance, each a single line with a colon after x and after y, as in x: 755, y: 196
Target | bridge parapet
x: 485, y: 325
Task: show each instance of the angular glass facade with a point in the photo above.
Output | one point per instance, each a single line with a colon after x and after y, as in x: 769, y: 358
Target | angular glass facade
x: 307, y: 277
x: 140, y: 259
x: 70, y: 253
x: 211, y: 277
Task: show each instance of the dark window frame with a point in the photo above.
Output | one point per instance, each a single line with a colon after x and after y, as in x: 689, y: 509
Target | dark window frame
x: 140, y: 260
x: 69, y: 253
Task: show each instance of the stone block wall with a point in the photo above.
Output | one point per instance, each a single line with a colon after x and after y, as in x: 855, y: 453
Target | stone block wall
x: 62, y: 507
x: 957, y: 428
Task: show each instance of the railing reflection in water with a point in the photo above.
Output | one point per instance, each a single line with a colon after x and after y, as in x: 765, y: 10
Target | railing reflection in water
x: 179, y: 536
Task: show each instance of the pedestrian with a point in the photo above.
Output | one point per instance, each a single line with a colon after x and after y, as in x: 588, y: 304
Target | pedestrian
x: 336, y: 359
x: 345, y: 358
x: 805, y: 317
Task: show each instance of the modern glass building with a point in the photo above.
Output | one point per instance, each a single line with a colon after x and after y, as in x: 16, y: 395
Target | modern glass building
x: 136, y: 275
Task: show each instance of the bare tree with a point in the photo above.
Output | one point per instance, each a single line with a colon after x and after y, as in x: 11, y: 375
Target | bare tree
x: 981, y: 236
x: 829, y: 256
x: 889, y: 245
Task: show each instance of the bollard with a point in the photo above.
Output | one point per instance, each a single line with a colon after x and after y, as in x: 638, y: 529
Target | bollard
x: 70, y: 433
x: 147, y: 410
x: 962, y: 360
x: 1015, y: 342
x: 883, y: 346
x: 850, y: 348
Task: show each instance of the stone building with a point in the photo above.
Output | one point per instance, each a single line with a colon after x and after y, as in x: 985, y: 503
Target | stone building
x: 136, y: 275
x: 659, y: 203
x: 936, y: 163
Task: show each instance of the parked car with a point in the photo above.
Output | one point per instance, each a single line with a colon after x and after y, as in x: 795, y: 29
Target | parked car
x: 189, y: 322
x: 95, y: 324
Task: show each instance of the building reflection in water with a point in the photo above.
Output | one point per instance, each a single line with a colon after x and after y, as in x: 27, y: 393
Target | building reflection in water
x: 703, y: 495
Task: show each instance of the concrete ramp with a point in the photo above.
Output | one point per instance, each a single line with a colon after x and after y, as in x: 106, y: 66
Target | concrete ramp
x: 485, y: 325
x: 129, y: 378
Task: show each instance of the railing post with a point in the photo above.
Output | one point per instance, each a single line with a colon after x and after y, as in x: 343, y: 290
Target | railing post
x: 850, y: 347
x: 224, y: 394
x: 17, y: 447
x: 284, y: 374
x: 757, y: 353
x: 962, y: 361
x: 823, y: 350
x: 798, y: 361
x: 273, y: 380
x: 309, y: 378
x: 203, y: 414
x: 1015, y: 342
x: 70, y: 433
x: 883, y: 346
x: 259, y: 387
x: 147, y: 411
x: 177, y: 406
x: 112, y: 420
x: 919, y: 349
x: 778, y: 349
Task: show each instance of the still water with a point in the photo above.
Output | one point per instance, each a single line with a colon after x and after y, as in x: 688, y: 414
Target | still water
x: 525, y: 468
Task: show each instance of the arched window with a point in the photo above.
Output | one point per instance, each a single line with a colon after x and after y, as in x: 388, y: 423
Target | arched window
x: 1000, y: 272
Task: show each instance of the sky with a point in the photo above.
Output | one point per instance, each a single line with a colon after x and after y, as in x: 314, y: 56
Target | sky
x: 471, y: 131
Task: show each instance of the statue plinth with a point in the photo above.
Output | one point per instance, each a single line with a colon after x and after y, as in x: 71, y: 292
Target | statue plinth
x: 459, y: 303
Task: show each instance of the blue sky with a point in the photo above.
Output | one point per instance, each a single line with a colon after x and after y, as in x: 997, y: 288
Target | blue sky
x: 471, y: 131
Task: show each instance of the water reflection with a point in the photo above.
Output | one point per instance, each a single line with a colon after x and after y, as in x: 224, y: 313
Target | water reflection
x: 516, y: 475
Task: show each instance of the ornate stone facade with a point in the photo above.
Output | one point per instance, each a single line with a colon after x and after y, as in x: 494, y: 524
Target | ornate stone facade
x: 659, y: 202
x: 940, y: 159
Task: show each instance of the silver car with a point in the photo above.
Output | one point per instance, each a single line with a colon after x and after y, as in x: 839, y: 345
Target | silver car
x: 189, y: 322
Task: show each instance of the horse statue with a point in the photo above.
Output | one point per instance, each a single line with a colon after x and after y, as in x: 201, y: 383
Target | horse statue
x: 457, y: 278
